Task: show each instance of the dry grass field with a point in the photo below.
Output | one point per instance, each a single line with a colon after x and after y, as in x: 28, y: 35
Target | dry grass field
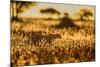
x: 38, y: 42
x: 54, y: 36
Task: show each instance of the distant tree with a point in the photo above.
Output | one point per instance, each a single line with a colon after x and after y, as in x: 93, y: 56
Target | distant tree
x: 85, y: 14
x: 50, y: 11
x: 66, y: 22
x: 18, y: 7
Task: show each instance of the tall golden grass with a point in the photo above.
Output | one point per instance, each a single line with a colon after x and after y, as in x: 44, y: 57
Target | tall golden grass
x: 75, y: 45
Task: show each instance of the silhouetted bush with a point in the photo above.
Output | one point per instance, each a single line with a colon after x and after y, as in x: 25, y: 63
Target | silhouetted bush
x: 66, y: 22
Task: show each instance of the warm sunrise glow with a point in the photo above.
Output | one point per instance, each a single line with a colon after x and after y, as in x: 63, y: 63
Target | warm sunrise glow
x: 35, y: 10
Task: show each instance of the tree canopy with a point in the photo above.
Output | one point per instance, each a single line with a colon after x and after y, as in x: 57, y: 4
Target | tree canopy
x: 84, y: 13
x: 50, y: 10
x: 20, y: 6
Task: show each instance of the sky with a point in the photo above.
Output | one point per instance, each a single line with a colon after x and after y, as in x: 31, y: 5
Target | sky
x: 71, y: 9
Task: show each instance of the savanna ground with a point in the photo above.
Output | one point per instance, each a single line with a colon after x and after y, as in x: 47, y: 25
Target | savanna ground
x: 41, y: 41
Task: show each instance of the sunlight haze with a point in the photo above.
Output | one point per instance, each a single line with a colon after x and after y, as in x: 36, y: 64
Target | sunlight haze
x: 62, y: 8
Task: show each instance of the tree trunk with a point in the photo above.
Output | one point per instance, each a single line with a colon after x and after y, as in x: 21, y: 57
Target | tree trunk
x: 81, y: 18
x: 14, y: 11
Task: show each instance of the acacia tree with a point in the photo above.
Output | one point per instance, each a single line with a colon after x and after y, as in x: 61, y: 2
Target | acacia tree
x: 18, y: 7
x: 85, y: 14
x: 50, y: 11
